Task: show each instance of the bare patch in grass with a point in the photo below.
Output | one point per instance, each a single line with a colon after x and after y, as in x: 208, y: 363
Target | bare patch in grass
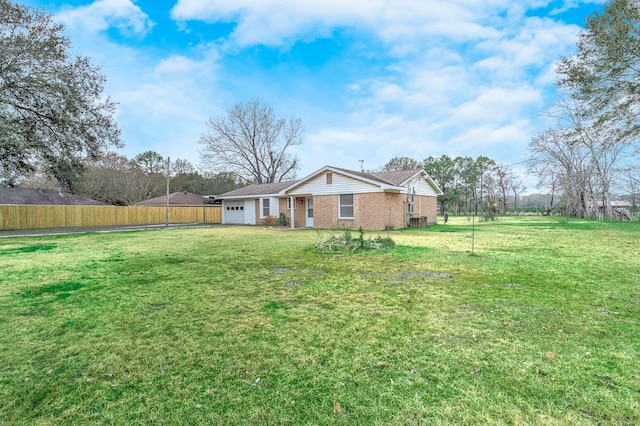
x: 423, y: 275
x: 404, y: 276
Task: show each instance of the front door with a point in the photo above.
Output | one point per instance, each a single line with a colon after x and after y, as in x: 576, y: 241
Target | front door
x: 309, y: 221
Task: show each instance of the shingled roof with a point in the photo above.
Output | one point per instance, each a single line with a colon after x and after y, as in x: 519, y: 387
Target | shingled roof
x: 364, y: 175
x: 393, y: 178
x: 397, y: 177
x: 44, y: 197
x: 259, y: 189
x: 177, y: 199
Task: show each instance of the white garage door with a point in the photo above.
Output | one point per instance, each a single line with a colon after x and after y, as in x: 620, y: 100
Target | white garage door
x: 233, y: 212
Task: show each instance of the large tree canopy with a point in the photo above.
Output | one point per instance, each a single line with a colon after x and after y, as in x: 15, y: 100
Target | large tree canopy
x: 605, y: 73
x: 252, y: 143
x: 151, y: 162
x: 52, y: 114
x: 597, y: 129
x: 401, y: 163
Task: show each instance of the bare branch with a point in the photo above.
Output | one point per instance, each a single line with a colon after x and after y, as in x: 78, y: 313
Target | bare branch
x: 252, y: 143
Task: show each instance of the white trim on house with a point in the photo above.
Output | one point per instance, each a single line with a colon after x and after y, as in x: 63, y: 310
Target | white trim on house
x: 341, y: 184
x: 265, y: 207
x: 423, y: 184
x: 273, y: 206
x: 244, y: 197
x: 307, y: 186
x: 250, y: 212
x: 341, y: 206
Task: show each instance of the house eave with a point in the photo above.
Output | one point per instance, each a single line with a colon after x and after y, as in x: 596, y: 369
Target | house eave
x: 428, y: 178
x: 394, y: 190
x: 249, y: 197
x: 289, y: 190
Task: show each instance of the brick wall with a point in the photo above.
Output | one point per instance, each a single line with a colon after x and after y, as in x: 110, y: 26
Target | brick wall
x: 325, y: 212
x: 379, y: 209
x: 427, y: 207
x: 372, y: 211
x: 283, y: 207
x: 300, y: 213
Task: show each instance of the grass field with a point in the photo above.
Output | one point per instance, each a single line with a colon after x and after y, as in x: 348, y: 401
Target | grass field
x: 540, y: 325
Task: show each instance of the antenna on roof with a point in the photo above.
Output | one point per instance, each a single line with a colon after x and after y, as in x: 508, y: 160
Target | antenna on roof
x: 361, y: 167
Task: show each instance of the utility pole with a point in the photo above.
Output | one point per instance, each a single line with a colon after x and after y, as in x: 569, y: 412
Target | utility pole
x: 166, y: 207
x: 361, y: 165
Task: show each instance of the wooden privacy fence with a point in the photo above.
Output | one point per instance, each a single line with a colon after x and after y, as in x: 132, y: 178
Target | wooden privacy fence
x: 40, y: 217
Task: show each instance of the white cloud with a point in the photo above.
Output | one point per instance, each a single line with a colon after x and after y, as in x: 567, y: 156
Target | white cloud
x: 456, y: 77
x: 402, y: 23
x: 101, y: 15
x: 167, y: 102
x: 536, y: 43
x: 496, y: 105
x: 486, y: 135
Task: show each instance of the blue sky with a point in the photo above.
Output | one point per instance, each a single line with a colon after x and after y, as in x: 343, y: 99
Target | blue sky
x: 370, y: 79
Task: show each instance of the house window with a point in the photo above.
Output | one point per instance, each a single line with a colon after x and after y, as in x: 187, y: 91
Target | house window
x: 346, y: 206
x: 265, y: 207
x: 289, y: 203
x: 329, y: 178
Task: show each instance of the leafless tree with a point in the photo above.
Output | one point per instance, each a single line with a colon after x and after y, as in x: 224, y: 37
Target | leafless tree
x: 252, y: 143
x: 115, y: 179
x: 504, y: 181
x: 549, y: 151
x: 182, y: 167
x: 631, y: 175
x: 517, y: 187
x: 586, y: 152
x: 599, y: 117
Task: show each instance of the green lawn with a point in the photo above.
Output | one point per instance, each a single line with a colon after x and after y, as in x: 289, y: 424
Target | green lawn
x: 541, y: 325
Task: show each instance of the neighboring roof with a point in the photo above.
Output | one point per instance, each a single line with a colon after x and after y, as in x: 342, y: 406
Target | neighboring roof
x: 180, y: 198
x: 44, y: 197
x: 261, y: 189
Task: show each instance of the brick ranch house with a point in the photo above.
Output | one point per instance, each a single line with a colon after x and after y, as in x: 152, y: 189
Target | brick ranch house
x: 338, y: 198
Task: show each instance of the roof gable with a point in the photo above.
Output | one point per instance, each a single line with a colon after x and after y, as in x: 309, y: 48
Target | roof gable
x: 362, y: 176
x: 393, y: 180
